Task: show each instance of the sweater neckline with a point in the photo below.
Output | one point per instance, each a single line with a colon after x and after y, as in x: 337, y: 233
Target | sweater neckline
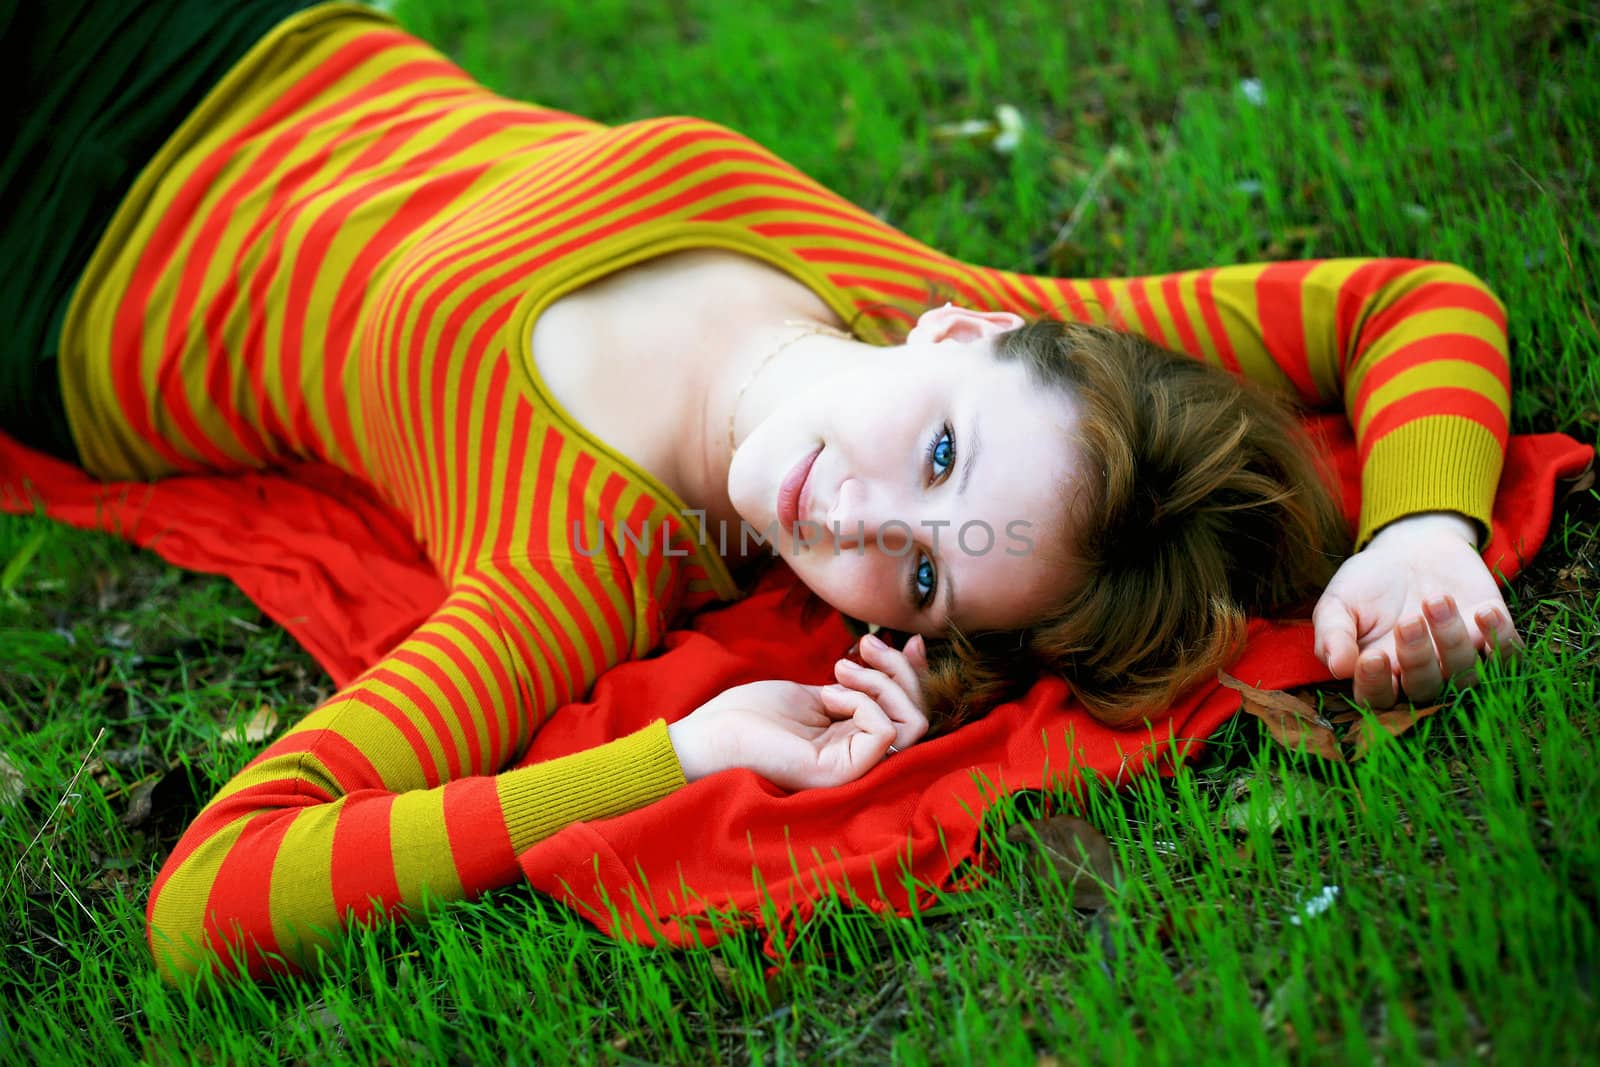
x: 630, y: 248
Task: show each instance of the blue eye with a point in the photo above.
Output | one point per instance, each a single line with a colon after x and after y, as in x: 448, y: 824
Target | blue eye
x: 942, y: 452
x: 924, y: 581
x: 941, y: 458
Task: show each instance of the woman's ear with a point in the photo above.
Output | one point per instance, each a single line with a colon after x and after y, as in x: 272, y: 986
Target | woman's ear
x: 951, y: 323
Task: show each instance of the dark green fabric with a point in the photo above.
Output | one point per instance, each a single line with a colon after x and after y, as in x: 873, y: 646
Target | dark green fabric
x: 98, y: 87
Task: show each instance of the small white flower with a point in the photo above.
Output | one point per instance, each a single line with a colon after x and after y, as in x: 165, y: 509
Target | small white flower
x: 1011, y: 126
x: 1253, y: 91
x: 1318, y: 904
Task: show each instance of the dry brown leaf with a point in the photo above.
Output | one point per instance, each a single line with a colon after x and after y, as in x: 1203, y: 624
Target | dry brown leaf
x: 1290, y: 720
x: 141, y: 801
x: 724, y: 976
x: 1361, y: 735
x: 1078, y: 852
x: 158, y: 795
x: 262, y: 725
x: 1333, y: 706
x: 12, y: 784
x: 1581, y: 482
x: 770, y: 992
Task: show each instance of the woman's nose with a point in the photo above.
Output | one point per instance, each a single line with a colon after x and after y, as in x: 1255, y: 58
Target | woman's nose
x: 863, y: 515
x: 848, y: 518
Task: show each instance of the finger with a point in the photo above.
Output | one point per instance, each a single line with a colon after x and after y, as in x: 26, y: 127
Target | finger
x: 1334, y: 627
x: 1451, y: 637
x: 870, y: 740
x: 855, y: 743
x: 911, y: 723
x: 1375, y: 680
x: 879, y: 653
x: 1500, y: 637
x: 1420, y: 675
x: 916, y: 651
x: 854, y: 708
x: 835, y: 700
x: 906, y: 713
x: 897, y: 665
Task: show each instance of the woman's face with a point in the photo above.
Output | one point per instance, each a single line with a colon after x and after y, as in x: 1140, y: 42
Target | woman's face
x: 923, y: 488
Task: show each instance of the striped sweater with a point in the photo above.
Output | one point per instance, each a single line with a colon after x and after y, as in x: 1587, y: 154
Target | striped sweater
x: 340, y: 255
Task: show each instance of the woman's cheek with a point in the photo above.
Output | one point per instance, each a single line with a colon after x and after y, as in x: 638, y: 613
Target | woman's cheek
x: 860, y: 584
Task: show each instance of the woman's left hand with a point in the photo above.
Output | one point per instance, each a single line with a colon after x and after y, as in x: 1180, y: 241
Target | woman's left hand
x: 1413, y: 610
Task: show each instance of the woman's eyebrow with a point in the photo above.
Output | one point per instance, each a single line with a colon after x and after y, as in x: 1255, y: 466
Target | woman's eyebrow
x: 970, y: 459
x: 971, y: 456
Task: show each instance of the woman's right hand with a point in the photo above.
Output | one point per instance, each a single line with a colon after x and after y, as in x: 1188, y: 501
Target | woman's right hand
x: 800, y: 736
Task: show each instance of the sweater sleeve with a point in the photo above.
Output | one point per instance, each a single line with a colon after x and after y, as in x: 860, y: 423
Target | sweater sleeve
x: 1414, y: 352
x: 389, y: 792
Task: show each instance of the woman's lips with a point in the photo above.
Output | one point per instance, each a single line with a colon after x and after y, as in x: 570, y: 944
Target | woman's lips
x: 793, y: 484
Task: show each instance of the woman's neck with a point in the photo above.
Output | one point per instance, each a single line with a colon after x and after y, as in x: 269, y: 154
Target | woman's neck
x: 706, y: 328
x: 767, y: 361
x: 658, y: 358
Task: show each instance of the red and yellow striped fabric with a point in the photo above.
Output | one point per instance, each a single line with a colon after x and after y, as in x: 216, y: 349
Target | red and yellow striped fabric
x: 340, y: 257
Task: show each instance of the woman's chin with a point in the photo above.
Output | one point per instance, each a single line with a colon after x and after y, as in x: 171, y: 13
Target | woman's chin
x: 848, y: 610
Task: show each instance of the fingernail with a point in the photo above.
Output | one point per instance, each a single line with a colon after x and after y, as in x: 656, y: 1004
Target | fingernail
x: 1411, y: 631
x: 1485, y: 617
x: 873, y: 640
x: 1438, y: 608
x: 1372, y: 668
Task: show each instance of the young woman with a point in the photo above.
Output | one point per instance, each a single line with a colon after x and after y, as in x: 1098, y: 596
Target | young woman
x: 604, y: 371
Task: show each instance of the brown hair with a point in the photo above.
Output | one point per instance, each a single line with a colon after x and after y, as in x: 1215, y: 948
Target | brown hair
x: 1199, y: 502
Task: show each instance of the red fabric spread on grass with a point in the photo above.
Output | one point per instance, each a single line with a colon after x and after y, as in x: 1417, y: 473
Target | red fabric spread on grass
x: 340, y: 572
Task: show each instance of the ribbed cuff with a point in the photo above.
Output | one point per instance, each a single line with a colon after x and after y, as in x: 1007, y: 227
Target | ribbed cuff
x: 1437, y: 463
x: 616, y: 777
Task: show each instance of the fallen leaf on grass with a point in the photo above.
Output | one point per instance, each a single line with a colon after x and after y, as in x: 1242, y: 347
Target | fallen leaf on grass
x: 1290, y: 720
x: 1364, y: 733
x: 12, y: 785
x: 1284, y: 801
x: 724, y: 977
x: 768, y: 993
x: 1581, y: 482
x: 135, y: 762
x: 262, y: 725
x: 1280, y: 1005
x: 160, y: 794
x: 1335, y: 707
x: 1078, y: 852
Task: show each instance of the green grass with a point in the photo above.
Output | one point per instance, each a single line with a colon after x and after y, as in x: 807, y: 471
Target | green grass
x: 1461, y: 861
